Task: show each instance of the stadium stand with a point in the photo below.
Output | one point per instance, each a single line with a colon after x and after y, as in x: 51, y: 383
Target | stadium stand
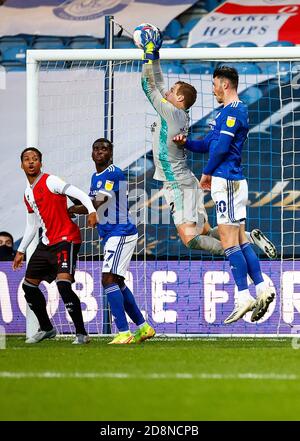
x: 251, y: 95
x: 204, y: 68
x: 47, y: 43
x: 84, y: 42
x: 13, y: 48
x: 173, y: 30
x: 246, y: 68
x: 206, y: 44
x: 282, y: 68
x: 242, y: 44
x: 279, y: 43
x: 124, y: 43
x: 171, y: 45
x: 189, y: 25
x: 174, y: 68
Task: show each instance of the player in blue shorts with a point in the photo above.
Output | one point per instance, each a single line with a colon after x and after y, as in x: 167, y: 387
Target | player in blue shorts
x: 224, y: 177
x: 119, y: 236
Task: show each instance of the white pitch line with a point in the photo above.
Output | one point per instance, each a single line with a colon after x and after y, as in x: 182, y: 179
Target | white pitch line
x: 153, y: 376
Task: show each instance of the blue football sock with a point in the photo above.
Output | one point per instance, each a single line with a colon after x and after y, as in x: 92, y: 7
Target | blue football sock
x: 238, y: 266
x: 253, y: 264
x: 116, y: 302
x: 131, y: 307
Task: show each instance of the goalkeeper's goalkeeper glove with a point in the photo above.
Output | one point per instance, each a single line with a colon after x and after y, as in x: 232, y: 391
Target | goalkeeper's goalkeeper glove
x: 152, y: 46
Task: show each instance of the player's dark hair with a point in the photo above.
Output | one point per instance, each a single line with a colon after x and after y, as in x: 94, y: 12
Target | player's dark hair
x: 5, y: 233
x: 34, y: 150
x: 107, y: 141
x: 188, y: 91
x: 230, y: 73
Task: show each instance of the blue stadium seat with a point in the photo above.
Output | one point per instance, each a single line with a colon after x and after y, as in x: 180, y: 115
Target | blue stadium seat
x: 209, y: 45
x: 251, y: 95
x: 212, y: 4
x: 85, y: 42
x: 13, y: 49
x: 173, y: 30
x: 182, y: 40
x: 279, y: 43
x: 204, y: 68
x: 172, y: 68
x: 13, y: 66
x: 242, y: 44
x: 189, y: 25
x: 48, y: 43
x: 245, y: 68
x: 270, y: 68
x: 170, y: 45
x: 124, y: 43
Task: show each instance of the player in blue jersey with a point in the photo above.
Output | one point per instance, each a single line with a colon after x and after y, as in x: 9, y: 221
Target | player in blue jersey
x: 119, y: 236
x: 223, y: 175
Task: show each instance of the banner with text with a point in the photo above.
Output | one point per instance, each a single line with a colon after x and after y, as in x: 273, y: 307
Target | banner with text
x: 82, y: 17
x: 181, y: 297
x: 256, y: 21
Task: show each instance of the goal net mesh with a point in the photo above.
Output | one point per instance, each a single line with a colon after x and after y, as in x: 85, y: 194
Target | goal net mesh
x: 179, y: 291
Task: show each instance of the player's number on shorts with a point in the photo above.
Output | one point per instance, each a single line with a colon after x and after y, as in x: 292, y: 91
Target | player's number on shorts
x: 172, y: 207
x: 64, y: 254
x: 109, y: 254
x: 221, y: 206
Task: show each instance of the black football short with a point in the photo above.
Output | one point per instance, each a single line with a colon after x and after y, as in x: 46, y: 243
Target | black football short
x: 48, y: 261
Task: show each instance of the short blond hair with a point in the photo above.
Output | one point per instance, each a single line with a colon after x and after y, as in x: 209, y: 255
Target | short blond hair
x: 189, y: 92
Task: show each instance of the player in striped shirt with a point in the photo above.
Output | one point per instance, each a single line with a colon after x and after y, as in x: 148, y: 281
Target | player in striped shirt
x: 55, y: 256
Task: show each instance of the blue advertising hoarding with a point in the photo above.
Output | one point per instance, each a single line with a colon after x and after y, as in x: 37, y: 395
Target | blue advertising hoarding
x: 187, y: 297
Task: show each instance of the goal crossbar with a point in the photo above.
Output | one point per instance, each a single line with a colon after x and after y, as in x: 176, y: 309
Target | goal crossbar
x: 209, y: 54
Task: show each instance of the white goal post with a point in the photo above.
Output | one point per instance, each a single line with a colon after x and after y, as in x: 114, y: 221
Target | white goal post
x: 224, y: 55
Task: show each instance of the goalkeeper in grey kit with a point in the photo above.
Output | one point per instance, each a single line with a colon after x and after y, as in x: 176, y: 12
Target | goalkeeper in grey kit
x: 180, y: 186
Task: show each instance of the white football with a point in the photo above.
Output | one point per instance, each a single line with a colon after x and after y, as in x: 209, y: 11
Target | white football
x: 145, y: 32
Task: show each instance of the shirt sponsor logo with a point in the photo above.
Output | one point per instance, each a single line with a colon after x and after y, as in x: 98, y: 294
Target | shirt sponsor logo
x: 99, y: 183
x: 109, y: 185
x: 230, y: 122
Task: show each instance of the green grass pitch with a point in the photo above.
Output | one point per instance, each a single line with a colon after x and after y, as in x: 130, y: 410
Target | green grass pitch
x: 162, y: 379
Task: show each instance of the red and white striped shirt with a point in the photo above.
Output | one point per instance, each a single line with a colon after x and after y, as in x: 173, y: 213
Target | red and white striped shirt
x: 46, y: 198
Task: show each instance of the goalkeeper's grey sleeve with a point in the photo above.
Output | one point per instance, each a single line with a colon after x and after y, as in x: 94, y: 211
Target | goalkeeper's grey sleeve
x: 32, y: 225
x: 160, y: 104
x: 159, y: 78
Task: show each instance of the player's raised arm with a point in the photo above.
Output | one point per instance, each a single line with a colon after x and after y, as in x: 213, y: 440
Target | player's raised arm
x: 159, y: 78
x: 152, y: 78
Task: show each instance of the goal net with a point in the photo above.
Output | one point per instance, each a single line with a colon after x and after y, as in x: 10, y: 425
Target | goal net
x: 179, y: 291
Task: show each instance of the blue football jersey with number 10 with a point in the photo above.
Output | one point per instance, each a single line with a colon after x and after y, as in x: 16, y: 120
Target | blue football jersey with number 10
x: 114, y: 216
